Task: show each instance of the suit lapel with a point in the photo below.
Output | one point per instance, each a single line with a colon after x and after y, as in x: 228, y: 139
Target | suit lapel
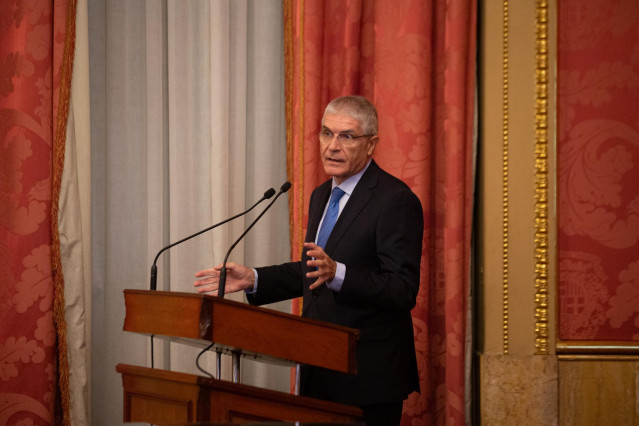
x: 316, y: 210
x: 359, y: 198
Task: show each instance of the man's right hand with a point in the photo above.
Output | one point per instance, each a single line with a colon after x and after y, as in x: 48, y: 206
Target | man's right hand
x: 238, y: 278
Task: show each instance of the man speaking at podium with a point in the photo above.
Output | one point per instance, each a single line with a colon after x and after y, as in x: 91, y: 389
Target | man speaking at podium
x: 360, y: 267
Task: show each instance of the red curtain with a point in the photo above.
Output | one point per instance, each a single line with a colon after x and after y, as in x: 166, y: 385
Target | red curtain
x: 415, y: 60
x: 598, y: 152
x: 36, y: 48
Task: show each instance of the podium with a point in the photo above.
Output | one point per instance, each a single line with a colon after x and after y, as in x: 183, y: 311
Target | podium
x: 169, y: 397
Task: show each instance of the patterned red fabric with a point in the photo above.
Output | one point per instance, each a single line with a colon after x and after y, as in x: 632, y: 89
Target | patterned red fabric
x: 415, y: 60
x: 31, y: 47
x: 598, y: 158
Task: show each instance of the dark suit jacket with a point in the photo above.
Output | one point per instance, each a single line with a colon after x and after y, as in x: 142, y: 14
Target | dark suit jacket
x: 378, y: 236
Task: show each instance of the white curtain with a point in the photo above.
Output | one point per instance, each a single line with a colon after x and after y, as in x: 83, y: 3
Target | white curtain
x: 74, y: 226
x: 187, y: 129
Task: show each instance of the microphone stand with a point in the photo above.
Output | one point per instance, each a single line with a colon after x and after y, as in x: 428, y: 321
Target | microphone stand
x: 222, y: 283
x: 154, y: 269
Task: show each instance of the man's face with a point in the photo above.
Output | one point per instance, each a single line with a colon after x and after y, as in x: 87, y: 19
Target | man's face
x: 342, y: 161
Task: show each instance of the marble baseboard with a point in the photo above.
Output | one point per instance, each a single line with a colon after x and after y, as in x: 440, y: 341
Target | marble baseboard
x: 519, y: 390
x: 599, y: 390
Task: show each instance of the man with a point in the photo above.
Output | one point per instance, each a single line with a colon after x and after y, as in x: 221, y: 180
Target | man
x: 364, y: 276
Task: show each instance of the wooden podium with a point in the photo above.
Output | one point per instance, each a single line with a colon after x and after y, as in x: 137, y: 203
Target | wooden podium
x: 165, y: 397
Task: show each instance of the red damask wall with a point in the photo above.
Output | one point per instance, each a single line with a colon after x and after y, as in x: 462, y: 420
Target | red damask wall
x: 598, y: 170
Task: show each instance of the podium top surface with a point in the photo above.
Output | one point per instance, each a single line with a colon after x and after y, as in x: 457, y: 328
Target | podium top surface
x: 241, y: 327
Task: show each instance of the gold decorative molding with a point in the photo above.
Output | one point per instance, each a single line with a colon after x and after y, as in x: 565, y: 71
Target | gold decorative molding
x: 600, y: 358
x: 576, y: 348
x: 505, y: 178
x: 541, y: 181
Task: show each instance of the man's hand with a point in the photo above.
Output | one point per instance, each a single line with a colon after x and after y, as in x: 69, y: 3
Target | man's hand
x: 325, y: 265
x: 238, y: 278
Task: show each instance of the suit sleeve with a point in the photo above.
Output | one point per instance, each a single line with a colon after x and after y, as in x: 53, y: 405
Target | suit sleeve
x: 277, y: 283
x: 390, y: 278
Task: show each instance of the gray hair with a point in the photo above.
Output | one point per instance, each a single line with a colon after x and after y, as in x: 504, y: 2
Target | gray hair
x: 357, y: 107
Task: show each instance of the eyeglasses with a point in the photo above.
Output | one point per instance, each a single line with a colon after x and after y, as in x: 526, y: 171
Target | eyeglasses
x: 345, y: 139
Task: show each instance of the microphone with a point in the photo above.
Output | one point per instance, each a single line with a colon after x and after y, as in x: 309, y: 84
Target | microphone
x: 154, y: 269
x: 222, y: 284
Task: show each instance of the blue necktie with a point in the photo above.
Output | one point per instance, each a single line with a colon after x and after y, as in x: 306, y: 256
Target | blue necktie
x: 330, y: 218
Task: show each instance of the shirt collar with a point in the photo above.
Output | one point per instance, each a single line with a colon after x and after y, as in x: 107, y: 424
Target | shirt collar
x: 349, y: 184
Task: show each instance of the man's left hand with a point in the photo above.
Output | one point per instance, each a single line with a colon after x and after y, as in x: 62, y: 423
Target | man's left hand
x: 326, y: 266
